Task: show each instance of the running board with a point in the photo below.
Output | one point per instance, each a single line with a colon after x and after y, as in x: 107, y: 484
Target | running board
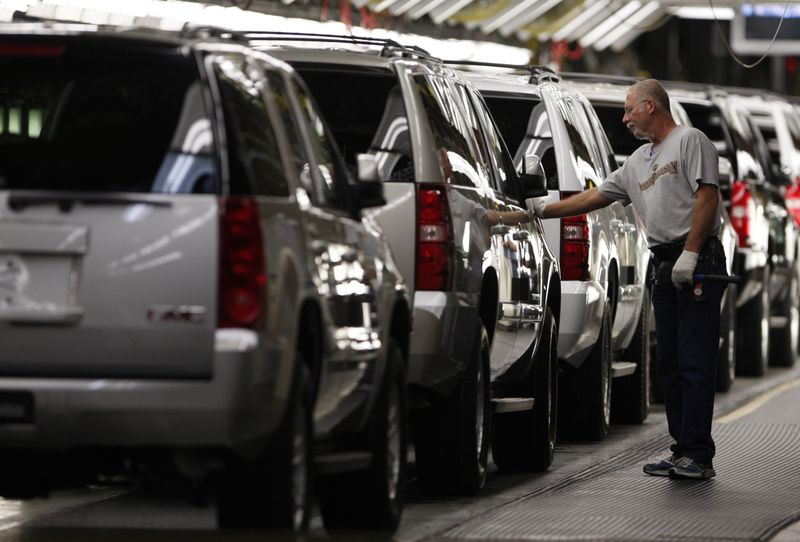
x: 503, y: 405
x: 336, y: 463
x: 778, y: 322
x: 622, y: 368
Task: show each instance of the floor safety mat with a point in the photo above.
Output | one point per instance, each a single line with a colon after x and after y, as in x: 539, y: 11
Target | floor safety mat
x: 756, y: 492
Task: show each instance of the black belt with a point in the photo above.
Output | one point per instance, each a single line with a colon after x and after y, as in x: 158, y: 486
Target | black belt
x: 672, y: 251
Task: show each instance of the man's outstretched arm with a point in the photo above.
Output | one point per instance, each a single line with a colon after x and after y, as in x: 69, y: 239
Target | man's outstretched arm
x: 585, y: 202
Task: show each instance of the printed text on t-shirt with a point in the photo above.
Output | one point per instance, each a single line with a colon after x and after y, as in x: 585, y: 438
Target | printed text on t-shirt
x: 672, y: 168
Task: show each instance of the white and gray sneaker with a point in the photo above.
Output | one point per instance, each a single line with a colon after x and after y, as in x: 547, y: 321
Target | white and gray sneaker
x: 661, y: 467
x: 686, y: 467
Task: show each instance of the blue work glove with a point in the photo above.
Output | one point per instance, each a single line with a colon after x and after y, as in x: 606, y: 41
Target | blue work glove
x: 683, y: 270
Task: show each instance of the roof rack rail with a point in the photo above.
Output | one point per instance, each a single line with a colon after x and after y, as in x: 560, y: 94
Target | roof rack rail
x: 210, y: 31
x: 539, y: 74
x: 389, y: 46
x: 600, y: 78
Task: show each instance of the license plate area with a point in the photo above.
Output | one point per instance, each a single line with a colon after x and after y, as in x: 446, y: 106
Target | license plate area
x: 16, y: 407
x: 35, y: 282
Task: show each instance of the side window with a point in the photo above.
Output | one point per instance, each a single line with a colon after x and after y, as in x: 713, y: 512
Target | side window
x: 606, y: 153
x: 296, y: 154
x: 330, y: 179
x: 500, y: 160
x: 450, y: 134
x: 581, y: 147
x: 253, y: 153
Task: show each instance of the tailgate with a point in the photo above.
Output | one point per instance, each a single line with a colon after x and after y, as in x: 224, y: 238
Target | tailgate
x: 123, y: 288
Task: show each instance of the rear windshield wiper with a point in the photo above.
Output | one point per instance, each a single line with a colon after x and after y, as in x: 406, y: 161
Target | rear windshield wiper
x: 18, y: 202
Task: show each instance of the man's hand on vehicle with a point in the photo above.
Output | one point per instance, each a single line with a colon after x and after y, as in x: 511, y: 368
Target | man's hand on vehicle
x: 535, y: 207
x: 683, y: 270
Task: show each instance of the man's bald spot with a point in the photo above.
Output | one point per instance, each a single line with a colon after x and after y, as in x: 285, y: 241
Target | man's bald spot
x: 650, y: 89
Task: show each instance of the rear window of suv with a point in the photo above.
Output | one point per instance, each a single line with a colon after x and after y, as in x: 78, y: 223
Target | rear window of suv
x: 365, y: 111
x: 88, y: 118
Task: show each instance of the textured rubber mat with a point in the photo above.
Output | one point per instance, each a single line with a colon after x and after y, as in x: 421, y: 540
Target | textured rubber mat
x: 756, y: 492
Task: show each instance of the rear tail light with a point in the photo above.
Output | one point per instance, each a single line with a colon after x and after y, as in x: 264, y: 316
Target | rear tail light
x: 743, y: 211
x: 242, y: 278
x: 434, y: 239
x: 793, y: 199
x: 575, y: 245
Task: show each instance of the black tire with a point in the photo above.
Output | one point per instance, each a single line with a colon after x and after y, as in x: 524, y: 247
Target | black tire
x: 726, y: 361
x: 373, y: 498
x: 274, y: 490
x: 783, y: 340
x: 752, y: 333
x: 452, y: 436
x: 585, y: 394
x: 525, y: 441
x: 631, y: 393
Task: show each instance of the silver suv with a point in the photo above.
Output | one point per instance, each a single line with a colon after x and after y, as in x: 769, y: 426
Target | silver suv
x: 604, y: 331
x: 188, y: 285
x: 486, y: 294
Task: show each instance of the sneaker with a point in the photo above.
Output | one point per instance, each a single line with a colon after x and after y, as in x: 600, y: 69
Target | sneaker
x: 662, y: 466
x: 686, y: 467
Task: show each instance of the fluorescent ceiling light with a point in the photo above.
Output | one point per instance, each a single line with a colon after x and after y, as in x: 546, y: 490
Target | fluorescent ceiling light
x: 425, y: 8
x: 529, y: 17
x: 616, y: 18
x: 503, y: 17
x: 703, y: 12
x: 578, y: 22
x: 635, y: 25
x: 446, y: 11
x: 383, y: 5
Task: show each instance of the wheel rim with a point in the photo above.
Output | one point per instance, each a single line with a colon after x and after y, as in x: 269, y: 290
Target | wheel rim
x: 299, y: 469
x: 393, y: 444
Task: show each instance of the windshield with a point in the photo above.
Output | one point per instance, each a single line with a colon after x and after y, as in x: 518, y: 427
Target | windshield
x: 86, y: 118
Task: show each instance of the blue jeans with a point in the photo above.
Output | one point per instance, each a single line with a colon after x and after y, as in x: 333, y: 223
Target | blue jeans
x: 687, y: 331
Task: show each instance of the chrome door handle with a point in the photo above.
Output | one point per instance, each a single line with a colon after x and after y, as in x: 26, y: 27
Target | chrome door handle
x: 500, y: 229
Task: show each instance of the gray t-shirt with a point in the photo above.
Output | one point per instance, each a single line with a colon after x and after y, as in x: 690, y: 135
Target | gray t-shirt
x: 661, y: 183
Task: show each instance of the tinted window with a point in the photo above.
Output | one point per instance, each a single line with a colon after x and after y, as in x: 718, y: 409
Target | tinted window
x: 451, y: 136
x: 502, y: 166
x: 581, y: 145
x: 296, y: 151
x: 104, y: 119
x: 366, y: 113
x: 603, y: 144
x: 331, y: 180
x: 253, y: 153
x: 622, y: 140
x: 524, y: 125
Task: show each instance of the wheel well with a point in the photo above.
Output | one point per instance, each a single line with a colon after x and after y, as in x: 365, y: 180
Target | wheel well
x: 554, y: 297
x: 401, y: 327
x: 613, y: 288
x: 488, y: 303
x: 309, y: 342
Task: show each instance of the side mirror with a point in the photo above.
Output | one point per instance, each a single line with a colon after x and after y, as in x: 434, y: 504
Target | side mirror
x: 534, y: 184
x: 725, y: 179
x: 368, y: 187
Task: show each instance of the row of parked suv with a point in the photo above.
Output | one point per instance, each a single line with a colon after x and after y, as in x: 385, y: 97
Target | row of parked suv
x: 265, y: 265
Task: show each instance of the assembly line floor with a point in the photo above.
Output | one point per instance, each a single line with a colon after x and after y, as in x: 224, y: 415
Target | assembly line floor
x: 593, y: 491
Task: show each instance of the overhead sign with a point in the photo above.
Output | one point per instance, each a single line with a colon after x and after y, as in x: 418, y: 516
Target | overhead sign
x: 754, y: 26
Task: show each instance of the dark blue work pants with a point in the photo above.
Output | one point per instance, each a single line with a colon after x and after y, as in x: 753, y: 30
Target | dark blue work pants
x: 687, y: 331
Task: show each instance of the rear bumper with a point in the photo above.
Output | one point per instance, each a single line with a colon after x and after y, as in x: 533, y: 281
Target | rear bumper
x: 443, y: 338
x: 241, y: 405
x: 582, y: 305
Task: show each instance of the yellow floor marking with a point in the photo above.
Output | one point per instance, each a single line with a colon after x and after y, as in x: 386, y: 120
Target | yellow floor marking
x: 757, y: 402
